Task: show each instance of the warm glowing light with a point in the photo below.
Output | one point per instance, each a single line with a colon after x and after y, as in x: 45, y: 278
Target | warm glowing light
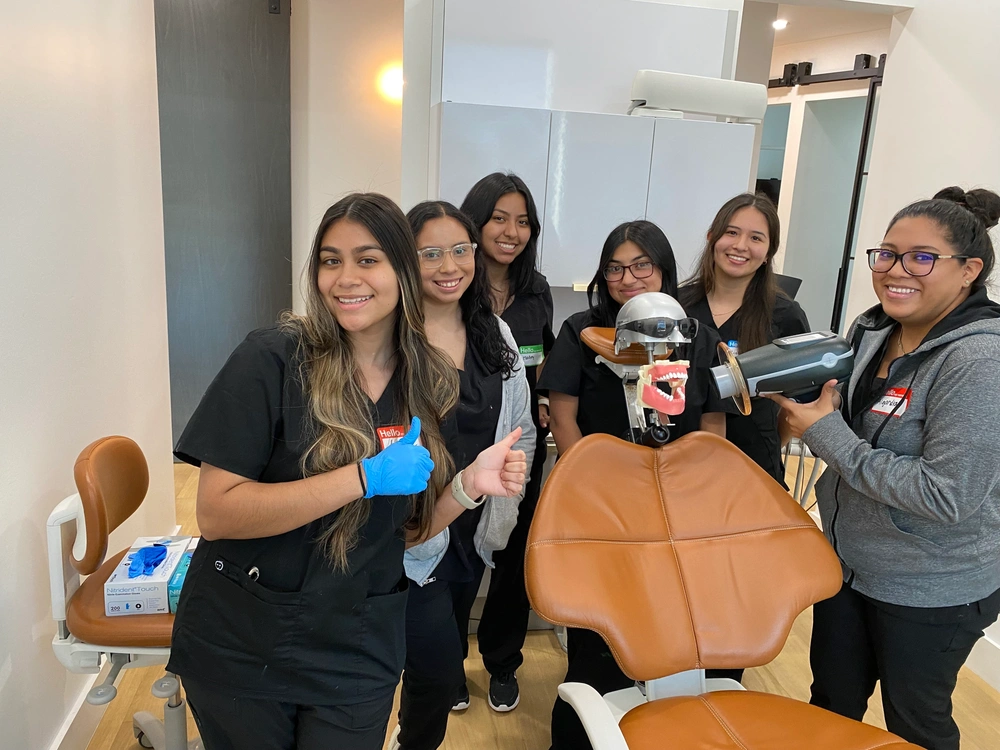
x: 390, y: 82
x: 780, y: 24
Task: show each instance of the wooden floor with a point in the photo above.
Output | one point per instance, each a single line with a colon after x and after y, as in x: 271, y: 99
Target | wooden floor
x: 977, y: 705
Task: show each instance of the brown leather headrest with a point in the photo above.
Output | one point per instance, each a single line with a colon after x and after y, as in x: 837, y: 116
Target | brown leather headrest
x: 684, y: 557
x: 602, y: 341
x: 112, y: 478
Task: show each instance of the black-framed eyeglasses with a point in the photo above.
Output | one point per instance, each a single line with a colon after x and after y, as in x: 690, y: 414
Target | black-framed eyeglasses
x: 462, y: 253
x: 915, y: 262
x: 660, y: 328
x: 641, y: 270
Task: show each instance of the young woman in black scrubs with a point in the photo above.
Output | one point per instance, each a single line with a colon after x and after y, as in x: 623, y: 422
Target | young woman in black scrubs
x: 289, y: 632
x: 503, y: 211
x: 735, y: 294
x: 493, y: 401
x: 587, y: 398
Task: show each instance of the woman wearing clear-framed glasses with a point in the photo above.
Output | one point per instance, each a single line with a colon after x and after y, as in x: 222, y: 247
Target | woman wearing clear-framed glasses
x: 586, y: 398
x: 494, y: 400
x: 911, y: 499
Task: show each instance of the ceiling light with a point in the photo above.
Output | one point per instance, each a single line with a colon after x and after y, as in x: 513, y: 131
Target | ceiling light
x: 780, y: 24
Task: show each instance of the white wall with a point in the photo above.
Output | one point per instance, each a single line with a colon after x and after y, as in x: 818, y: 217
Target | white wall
x: 345, y: 136
x: 832, y: 54
x: 923, y: 143
x: 572, y: 55
x: 83, y: 305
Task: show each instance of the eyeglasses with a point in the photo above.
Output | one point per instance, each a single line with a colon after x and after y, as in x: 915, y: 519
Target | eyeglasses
x: 660, y: 328
x: 640, y: 270
x: 463, y: 254
x: 915, y: 262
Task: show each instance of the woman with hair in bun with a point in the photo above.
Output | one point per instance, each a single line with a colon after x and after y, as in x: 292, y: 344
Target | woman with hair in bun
x: 911, y: 501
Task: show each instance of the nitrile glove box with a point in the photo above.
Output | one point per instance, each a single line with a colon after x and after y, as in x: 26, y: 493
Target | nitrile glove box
x: 144, y: 594
x: 180, y: 573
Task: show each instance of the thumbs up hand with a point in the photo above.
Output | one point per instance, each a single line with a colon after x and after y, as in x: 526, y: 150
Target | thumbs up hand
x: 499, y: 470
x: 403, y: 468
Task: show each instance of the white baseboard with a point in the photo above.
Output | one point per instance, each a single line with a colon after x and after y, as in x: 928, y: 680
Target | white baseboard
x: 81, y: 723
x: 985, y: 660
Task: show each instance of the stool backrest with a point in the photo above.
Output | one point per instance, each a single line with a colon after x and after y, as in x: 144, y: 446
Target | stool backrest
x: 684, y: 557
x: 112, y: 478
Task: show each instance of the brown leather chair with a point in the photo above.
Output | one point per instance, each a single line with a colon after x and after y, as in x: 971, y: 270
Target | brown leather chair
x: 684, y: 558
x: 112, y: 479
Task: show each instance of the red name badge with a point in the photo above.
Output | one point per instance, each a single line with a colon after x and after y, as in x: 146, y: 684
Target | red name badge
x: 888, y: 402
x: 389, y: 435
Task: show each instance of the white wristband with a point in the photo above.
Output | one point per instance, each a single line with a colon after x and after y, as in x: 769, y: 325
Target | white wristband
x: 459, y: 493
x: 543, y: 401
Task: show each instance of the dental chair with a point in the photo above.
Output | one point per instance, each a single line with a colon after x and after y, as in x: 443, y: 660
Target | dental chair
x: 112, y: 479
x: 683, y: 557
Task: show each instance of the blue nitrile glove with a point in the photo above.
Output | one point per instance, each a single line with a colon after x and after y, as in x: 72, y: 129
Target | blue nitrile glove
x: 401, y: 469
x: 145, y: 560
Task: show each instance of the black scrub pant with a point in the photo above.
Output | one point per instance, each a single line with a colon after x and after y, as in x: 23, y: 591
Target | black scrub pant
x: 233, y: 723
x: 504, y: 624
x: 590, y: 662
x: 914, y: 652
x: 437, y: 642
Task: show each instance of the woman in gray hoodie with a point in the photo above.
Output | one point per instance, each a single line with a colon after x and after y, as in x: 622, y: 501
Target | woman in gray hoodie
x: 911, y: 500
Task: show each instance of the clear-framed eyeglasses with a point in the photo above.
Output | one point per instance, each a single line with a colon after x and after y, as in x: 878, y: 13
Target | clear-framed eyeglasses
x: 463, y: 254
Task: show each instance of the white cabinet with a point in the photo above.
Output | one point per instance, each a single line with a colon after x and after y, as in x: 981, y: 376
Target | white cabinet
x: 597, y: 175
x: 588, y: 172
x: 478, y: 139
x: 697, y: 166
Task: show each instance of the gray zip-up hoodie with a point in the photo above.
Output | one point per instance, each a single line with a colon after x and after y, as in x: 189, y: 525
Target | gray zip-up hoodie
x: 499, y: 513
x: 911, y: 499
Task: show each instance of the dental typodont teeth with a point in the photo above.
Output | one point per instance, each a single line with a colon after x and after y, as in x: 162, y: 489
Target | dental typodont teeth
x: 652, y: 396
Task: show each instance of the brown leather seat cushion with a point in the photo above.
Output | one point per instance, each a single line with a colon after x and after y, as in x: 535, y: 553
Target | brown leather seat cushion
x: 86, y: 619
x: 734, y: 720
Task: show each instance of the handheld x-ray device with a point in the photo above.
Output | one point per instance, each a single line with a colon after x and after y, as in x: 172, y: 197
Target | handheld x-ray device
x: 795, y: 366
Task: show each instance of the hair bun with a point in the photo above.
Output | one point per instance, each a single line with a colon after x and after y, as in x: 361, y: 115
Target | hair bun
x: 984, y: 204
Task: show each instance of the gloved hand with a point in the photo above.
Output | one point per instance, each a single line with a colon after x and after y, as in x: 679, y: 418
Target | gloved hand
x: 401, y: 469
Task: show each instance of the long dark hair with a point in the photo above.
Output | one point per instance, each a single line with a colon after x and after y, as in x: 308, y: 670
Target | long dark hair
x: 479, y: 205
x: 756, y: 311
x: 341, y: 422
x: 966, y: 219
x: 652, y: 241
x: 481, y: 325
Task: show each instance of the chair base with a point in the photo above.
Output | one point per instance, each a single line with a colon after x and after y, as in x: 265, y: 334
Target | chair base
x: 171, y: 732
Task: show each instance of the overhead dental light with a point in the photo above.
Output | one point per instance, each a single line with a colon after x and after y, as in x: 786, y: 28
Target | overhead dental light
x: 658, y: 93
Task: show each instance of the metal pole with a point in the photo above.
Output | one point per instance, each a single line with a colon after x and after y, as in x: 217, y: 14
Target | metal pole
x: 852, y: 218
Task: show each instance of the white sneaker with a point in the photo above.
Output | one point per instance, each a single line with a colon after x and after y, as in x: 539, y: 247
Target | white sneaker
x: 394, y: 739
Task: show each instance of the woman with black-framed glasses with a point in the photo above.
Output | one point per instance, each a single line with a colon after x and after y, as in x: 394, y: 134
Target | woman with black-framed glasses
x: 587, y: 398
x: 911, y: 499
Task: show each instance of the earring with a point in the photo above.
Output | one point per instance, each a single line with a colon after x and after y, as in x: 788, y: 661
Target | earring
x: 967, y: 283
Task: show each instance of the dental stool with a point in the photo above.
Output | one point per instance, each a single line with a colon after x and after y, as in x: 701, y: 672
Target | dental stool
x: 112, y: 479
x: 684, y: 558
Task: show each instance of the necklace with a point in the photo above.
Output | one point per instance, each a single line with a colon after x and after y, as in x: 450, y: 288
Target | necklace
x: 899, y: 342
x: 722, y: 314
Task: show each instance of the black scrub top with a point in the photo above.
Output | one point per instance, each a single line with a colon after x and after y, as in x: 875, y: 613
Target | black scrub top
x: 271, y: 618
x: 529, y: 318
x: 757, y: 434
x: 469, y: 430
x: 571, y: 369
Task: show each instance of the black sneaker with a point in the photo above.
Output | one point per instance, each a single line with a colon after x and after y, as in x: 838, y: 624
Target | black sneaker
x: 462, y: 701
x: 504, y: 695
